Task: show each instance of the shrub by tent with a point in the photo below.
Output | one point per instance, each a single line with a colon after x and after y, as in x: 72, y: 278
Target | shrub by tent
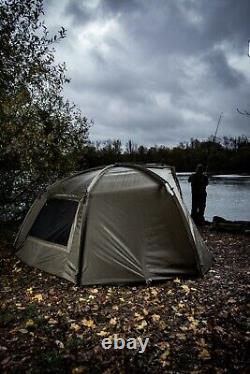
x: 113, y: 225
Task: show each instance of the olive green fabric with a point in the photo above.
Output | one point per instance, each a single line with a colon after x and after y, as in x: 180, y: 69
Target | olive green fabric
x: 131, y: 225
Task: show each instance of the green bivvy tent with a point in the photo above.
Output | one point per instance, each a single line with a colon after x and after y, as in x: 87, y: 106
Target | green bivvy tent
x: 110, y: 225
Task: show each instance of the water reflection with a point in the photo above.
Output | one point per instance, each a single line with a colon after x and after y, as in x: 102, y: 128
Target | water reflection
x: 228, y: 196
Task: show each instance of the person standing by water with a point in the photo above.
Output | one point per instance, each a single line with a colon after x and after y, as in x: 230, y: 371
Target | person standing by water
x: 199, y: 182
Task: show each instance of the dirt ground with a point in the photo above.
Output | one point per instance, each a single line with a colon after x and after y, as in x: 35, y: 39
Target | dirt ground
x: 47, y: 325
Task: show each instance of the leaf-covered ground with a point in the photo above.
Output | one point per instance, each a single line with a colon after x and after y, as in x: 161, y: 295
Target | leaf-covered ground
x: 193, y: 325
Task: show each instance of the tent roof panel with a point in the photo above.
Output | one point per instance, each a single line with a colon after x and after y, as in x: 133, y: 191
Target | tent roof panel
x: 77, y: 184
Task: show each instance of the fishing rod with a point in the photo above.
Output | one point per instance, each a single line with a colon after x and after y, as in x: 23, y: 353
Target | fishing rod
x: 214, y: 139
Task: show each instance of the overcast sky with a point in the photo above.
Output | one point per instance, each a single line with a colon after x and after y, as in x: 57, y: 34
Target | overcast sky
x: 156, y: 71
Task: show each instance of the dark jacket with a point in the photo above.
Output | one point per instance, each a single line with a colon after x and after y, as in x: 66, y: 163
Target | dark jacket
x: 199, y: 183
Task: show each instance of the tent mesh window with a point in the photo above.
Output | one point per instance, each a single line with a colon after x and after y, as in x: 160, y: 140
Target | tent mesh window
x: 54, y: 221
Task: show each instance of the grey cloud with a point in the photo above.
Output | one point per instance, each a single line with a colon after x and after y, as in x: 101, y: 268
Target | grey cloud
x: 163, y: 73
x: 78, y: 11
x: 229, y: 77
x: 227, y: 20
x: 121, y: 6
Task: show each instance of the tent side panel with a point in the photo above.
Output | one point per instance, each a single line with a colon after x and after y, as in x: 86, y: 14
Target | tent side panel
x: 61, y: 260
x: 111, y: 249
x: 29, y: 220
x: 169, y: 250
x: 203, y: 255
x: 134, y: 234
x: 48, y: 257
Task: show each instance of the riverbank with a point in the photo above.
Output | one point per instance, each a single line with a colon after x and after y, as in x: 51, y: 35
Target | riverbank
x: 193, y: 325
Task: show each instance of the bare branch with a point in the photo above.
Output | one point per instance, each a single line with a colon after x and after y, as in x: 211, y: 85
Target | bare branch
x: 245, y: 113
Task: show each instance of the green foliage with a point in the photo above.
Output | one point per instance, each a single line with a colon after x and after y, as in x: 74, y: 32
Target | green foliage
x: 42, y: 135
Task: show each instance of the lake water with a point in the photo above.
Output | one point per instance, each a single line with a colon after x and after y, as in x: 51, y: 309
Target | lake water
x: 228, y: 196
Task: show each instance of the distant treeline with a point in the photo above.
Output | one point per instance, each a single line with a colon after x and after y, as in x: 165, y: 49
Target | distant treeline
x: 227, y: 154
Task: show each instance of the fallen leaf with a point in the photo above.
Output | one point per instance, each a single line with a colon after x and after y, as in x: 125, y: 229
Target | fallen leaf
x: 59, y: 344
x: 183, y: 328
x: 23, y: 331
x: 75, y: 327
x: 181, y: 336
x: 141, y: 325
x: 52, y: 321
x: 162, y: 325
x: 181, y: 305
x: 201, y: 343
x: 38, y: 297
x: 88, y: 323
x: 103, y: 333
x: 20, y: 306
x: 138, y: 316
x: 177, y: 280
x: 30, y: 323
x: 163, y: 357
x: 155, y: 317
x: 219, y: 329
x: 185, y: 288
x: 204, y: 354
x: 163, y: 345
x: 154, y: 292
x: 78, y: 370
